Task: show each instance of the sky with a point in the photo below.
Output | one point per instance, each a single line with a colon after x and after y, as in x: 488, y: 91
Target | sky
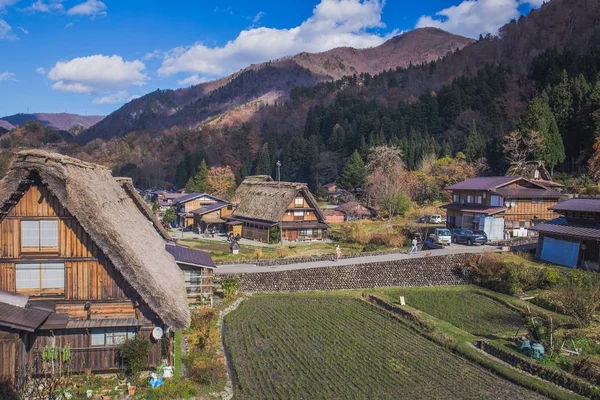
x: 91, y: 56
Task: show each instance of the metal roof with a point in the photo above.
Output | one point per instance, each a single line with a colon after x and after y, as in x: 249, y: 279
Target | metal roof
x: 21, y: 318
x: 475, y: 208
x: 587, y: 205
x: 528, y: 193
x: 210, y: 208
x: 190, y: 256
x: 563, y: 226
x: 483, y: 183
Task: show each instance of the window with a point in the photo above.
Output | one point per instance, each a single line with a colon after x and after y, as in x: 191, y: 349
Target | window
x: 39, y: 278
x: 299, y: 202
x: 306, y: 232
x: 111, y: 336
x: 469, y: 198
x: 456, y: 198
x: 496, y: 201
x: 192, y: 281
x: 38, y: 236
x: 478, y: 199
x: 298, y: 215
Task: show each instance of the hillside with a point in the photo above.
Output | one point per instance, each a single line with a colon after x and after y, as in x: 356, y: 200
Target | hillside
x: 270, y: 82
x: 59, y: 121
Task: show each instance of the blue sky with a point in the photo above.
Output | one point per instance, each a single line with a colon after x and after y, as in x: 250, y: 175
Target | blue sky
x: 92, y: 56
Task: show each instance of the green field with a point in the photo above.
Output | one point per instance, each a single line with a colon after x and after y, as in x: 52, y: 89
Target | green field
x: 465, y: 307
x: 329, y: 346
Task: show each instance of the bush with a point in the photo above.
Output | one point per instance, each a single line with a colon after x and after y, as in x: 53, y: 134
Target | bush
x: 204, y: 370
x: 579, y: 297
x: 257, y: 254
x: 370, y: 248
x: 134, y: 353
x: 229, y: 286
x: 174, y: 389
x: 587, y: 367
x: 282, y: 252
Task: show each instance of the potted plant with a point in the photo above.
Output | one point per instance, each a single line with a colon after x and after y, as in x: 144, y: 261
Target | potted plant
x: 122, y: 378
x: 131, y: 390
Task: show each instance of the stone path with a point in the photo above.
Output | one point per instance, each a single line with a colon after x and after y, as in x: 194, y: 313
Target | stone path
x: 453, y: 249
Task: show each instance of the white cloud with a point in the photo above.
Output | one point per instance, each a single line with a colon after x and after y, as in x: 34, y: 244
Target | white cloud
x: 6, y: 3
x: 151, y: 55
x: 117, y: 97
x: 97, y: 74
x: 70, y: 24
x: 5, y: 31
x: 25, y: 31
x: 258, y: 17
x: 92, y: 8
x: 41, y: 70
x: 473, y: 17
x: 334, y: 23
x: 192, y: 80
x: 44, y: 6
x: 7, y: 76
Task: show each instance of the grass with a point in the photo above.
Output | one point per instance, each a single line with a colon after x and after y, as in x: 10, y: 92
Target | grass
x: 177, y: 357
x: 465, y: 307
x: 336, y: 346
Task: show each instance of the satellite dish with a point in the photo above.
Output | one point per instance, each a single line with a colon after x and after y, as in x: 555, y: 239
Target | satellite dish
x: 157, y: 333
x: 507, y: 204
x: 513, y: 204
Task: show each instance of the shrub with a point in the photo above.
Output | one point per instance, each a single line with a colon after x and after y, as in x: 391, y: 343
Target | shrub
x: 257, y: 254
x: 134, y: 353
x: 174, y: 389
x: 554, y: 277
x: 282, y: 252
x: 369, y: 248
x: 579, y: 297
x: 203, y: 370
x: 229, y: 286
x: 587, y: 367
x: 355, y: 232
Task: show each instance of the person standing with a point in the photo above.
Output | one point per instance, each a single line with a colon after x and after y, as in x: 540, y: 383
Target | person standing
x: 413, y: 249
x: 338, y: 253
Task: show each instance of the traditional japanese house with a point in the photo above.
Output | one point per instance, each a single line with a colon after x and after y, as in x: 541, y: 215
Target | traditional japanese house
x: 573, y: 239
x: 265, y: 207
x: 500, y: 205
x: 75, y: 247
x: 212, y: 217
x: 186, y: 204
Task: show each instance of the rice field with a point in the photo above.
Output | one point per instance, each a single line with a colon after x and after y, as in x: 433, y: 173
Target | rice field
x: 326, y: 346
x: 463, y: 306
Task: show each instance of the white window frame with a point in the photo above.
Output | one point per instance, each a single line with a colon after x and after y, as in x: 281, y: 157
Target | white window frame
x: 39, y: 235
x: 469, y: 198
x: 299, y: 202
x: 456, y: 198
x: 111, y: 337
x: 298, y: 213
x: 40, y: 278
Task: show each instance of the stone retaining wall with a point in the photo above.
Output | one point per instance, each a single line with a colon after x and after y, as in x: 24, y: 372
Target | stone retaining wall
x: 446, y: 270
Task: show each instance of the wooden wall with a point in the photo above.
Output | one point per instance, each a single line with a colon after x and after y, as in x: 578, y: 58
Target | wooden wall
x: 525, y: 210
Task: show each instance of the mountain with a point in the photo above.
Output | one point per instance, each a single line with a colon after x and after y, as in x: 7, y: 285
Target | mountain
x: 270, y: 82
x: 59, y: 121
x: 5, y: 126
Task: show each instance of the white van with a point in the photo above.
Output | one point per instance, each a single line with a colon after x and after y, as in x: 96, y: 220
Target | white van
x: 436, y: 219
x: 442, y: 236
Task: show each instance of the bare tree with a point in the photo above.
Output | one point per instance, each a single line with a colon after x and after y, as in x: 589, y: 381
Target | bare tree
x: 520, y: 146
x: 386, y: 171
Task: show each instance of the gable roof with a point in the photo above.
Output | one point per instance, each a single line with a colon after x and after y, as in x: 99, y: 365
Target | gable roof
x: 193, y: 196
x: 527, y: 170
x: 105, y: 211
x: 186, y: 255
x: 484, y: 183
x: 497, y: 185
x: 563, y: 226
x: 585, y: 205
x: 260, y: 198
x: 210, y: 208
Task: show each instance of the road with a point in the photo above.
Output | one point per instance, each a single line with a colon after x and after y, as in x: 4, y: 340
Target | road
x: 453, y: 249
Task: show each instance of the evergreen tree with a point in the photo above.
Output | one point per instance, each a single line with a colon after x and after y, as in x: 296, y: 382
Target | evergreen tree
x: 199, y: 182
x: 595, y: 100
x: 320, y: 192
x: 475, y: 145
x: 354, y: 174
x: 263, y: 161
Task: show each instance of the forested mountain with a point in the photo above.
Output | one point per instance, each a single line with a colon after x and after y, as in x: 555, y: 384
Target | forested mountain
x: 271, y: 83
x: 58, y: 121
x: 535, y: 82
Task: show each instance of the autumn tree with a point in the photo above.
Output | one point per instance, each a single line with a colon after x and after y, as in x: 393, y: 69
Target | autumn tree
x: 199, y: 182
x: 221, y: 181
x: 594, y: 162
x: 354, y: 175
x: 386, y: 168
x: 520, y: 146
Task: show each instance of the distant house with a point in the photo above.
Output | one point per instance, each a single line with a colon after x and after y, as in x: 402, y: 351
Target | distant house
x: 573, y: 239
x: 333, y: 190
x: 333, y: 216
x: 353, y: 210
x: 534, y: 171
x: 210, y: 217
x: 167, y: 200
x: 500, y: 205
x: 82, y: 265
x: 262, y: 204
x: 186, y: 204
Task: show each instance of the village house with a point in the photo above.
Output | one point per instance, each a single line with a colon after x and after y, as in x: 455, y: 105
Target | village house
x: 333, y: 190
x: 333, y: 216
x: 353, y: 210
x: 573, y: 239
x: 81, y: 266
x: 265, y: 207
x: 501, y: 206
x: 210, y: 217
x: 534, y: 171
x: 188, y: 203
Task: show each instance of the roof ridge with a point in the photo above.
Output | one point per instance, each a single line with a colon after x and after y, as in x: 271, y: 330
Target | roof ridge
x: 30, y: 154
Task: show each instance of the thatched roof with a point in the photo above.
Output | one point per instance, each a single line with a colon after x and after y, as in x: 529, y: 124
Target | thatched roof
x: 104, y: 210
x: 260, y: 198
x: 526, y: 169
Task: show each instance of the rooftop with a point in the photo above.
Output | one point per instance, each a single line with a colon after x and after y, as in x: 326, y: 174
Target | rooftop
x: 586, y: 205
x: 563, y: 226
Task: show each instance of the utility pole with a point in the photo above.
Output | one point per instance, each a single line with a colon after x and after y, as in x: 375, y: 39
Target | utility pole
x: 279, y: 190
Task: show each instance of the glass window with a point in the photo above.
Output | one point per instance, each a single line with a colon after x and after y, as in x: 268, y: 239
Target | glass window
x: 39, y: 235
x: 192, y: 281
x: 298, y: 213
x: 111, y: 336
x: 469, y: 198
x: 496, y: 201
x: 478, y: 199
x: 40, y: 278
x: 299, y: 202
x: 456, y: 198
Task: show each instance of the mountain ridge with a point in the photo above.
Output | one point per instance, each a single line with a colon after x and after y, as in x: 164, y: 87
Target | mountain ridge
x: 58, y: 121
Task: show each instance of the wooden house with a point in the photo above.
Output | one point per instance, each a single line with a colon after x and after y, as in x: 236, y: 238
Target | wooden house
x: 353, y: 210
x: 534, y: 171
x: 74, y: 246
x: 500, y: 205
x: 212, y: 217
x: 264, y: 206
x: 188, y: 203
x: 572, y: 239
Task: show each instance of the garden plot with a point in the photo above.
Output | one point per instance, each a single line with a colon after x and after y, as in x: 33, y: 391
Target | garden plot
x: 321, y: 346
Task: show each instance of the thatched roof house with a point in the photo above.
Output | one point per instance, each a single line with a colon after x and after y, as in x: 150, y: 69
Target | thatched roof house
x: 262, y: 203
x: 114, y: 223
x: 533, y: 170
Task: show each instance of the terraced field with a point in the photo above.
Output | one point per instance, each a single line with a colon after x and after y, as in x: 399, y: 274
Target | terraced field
x: 324, y: 346
x: 463, y: 306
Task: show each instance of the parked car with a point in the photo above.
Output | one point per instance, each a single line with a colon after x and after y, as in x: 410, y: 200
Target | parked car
x: 423, y: 219
x: 441, y: 236
x: 436, y: 219
x: 469, y: 236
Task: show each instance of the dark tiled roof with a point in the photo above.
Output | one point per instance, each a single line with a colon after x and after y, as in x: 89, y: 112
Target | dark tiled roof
x: 21, y: 318
x: 589, y: 205
x: 190, y: 256
x: 563, y: 226
x: 188, y: 197
x: 528, y: 193
x: 475, y: 208
x: 210, y: 207
x: 483, y: 183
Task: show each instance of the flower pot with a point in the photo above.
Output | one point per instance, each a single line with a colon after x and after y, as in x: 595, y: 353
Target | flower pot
x: 131, y: 390
x: 122, y: 381
x: 105, y: 397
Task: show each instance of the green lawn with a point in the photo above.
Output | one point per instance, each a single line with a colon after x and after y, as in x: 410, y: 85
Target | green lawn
x: 465, y: 307
x: 334, y: 346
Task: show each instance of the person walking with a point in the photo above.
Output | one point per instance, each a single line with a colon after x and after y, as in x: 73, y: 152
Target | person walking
x: 338, y: 253
x: 413, y: 249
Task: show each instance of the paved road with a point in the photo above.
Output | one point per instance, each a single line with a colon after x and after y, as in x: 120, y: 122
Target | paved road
x: 453, y: 249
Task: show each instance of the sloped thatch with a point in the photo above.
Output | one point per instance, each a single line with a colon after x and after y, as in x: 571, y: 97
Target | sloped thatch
x: 114, y: 223
x: 260, y: 198
x: 526, y: 169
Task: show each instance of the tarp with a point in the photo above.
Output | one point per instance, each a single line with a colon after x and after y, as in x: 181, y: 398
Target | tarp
x: 560, y: 252
x: 493, y: 227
